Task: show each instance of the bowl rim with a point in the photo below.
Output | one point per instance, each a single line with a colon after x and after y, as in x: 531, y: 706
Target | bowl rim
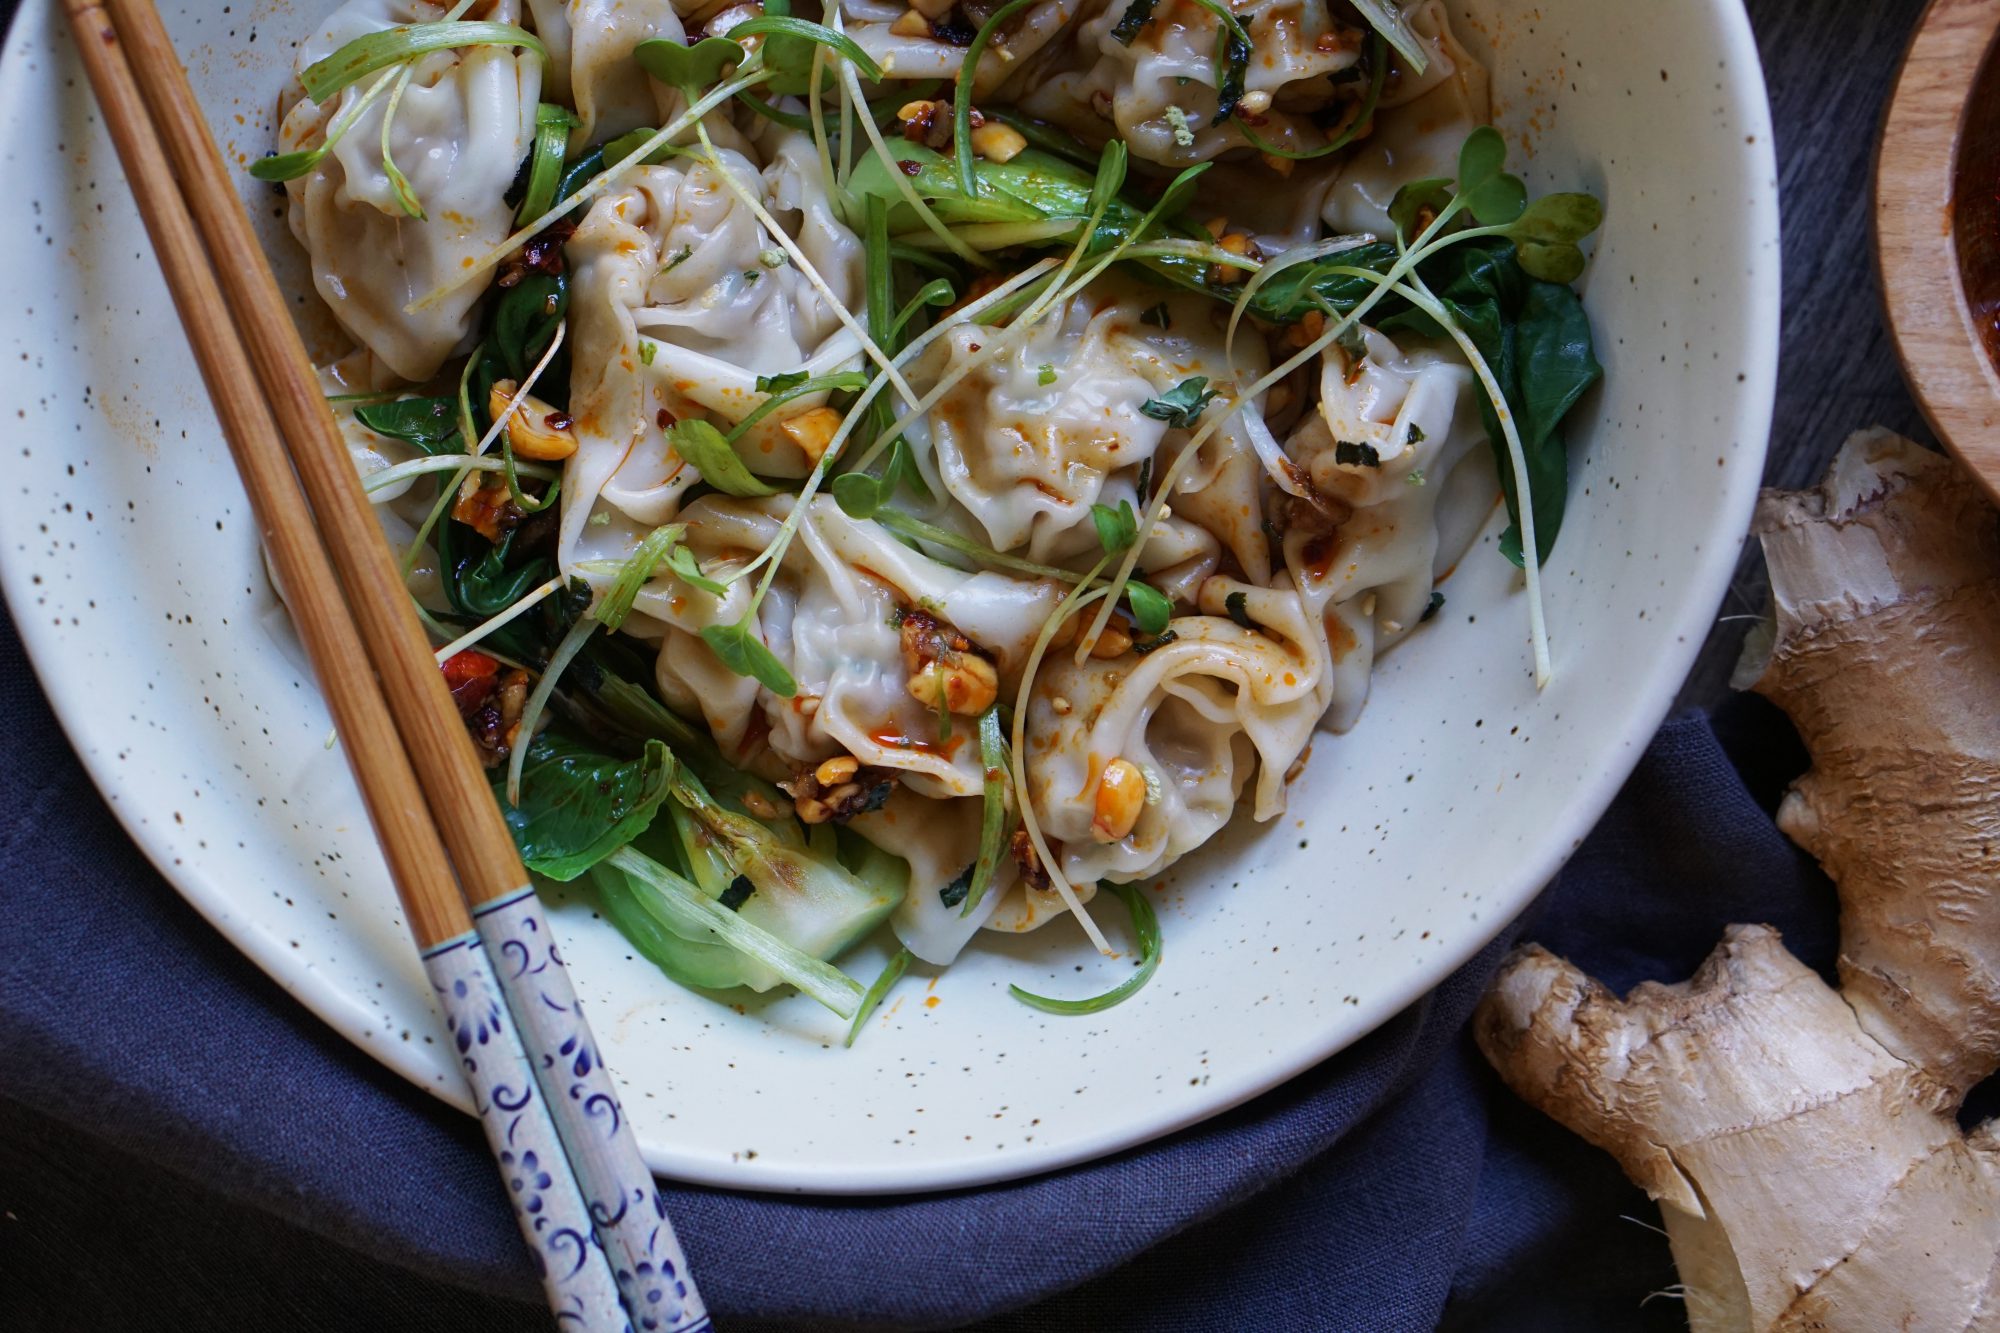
x: 1652, y: 692
x: 1918, y: 259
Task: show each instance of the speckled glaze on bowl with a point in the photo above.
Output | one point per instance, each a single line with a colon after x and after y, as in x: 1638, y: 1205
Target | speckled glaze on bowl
x: 131, y: 566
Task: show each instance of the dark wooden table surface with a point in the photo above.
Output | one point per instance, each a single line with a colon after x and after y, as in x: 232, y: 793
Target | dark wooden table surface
x: 1830, y: 65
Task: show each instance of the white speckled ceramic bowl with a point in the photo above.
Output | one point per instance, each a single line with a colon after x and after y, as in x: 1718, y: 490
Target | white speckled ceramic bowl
x: 131, y: 566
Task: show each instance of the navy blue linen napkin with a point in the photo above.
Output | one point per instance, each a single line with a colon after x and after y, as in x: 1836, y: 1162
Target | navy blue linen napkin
x: 250, y: 1165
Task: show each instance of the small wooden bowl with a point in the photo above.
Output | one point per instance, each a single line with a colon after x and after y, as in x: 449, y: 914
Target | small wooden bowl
x: 1937, y: 227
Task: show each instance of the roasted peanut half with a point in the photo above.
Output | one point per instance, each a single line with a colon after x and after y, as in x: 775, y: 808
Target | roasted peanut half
x: 1121, y: 795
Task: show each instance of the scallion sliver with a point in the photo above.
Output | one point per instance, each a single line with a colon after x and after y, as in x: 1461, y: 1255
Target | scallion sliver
x: 892, y: 972
x: 392, y: 46
x: 1146, y: 925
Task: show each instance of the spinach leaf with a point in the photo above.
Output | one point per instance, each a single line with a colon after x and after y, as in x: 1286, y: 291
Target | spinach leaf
x: 1536, y: 338
x: 577, y: 807
x: 482, y: 580
x: 525, y: 317
x: 427, y: 424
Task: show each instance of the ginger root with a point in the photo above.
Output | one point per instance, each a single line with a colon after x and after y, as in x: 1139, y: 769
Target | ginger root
x: 1801, y: 1140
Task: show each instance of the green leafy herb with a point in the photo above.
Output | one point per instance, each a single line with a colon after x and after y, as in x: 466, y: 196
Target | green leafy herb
x: 1494, y: 196
x: 892, y: 972
x: 429, y: 425
x: 392, y: 46
x: 1351, y: 453
x: 1116, y: 528
x: 955, y: 893
x: 636, y: 573
x: 1046, y: 375
x: 1133, y: 21
x: 1545, y: 236
x: 648, y: 349
x: 685, y: 67
x: 1151, y: 608
x: 1146, y: 926
x: 1181, y: 405
x: 708, y: 449
x: 739, y: 649
x: 688, y: 570
x: 1238, y: 606
x: 1160, y: 640
x: 1435, y: 605
x: 1417, y: 477
x: 578, y: 807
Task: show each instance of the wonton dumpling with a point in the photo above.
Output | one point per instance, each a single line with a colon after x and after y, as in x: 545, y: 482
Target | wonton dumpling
x: 464, y: 124
x: 1369, y: 577
x: 1030, y: 439
x: 1423, y: 121
x: 1195, y: 716
x: 831, y: 617
x: 1300, y: 52
x: 940, y: 840
x: 671, y: 258
x: 868, y: 23
x: 591, y: 67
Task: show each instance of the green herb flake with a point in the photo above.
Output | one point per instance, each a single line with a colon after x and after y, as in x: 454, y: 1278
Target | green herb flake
x: 1160, y: 640
x: 1349, y: 453
x: 954, y: 893
x: 677, y: 258
x: 648, y: 349
x: 1046, y: 374
x: 737, y: 893
x: 1181, y: 405
x: 1238, y: 606
x: 1415, y: 435
x: 750, y: 276
x: 1417, y: 477
x: 1436, y: 604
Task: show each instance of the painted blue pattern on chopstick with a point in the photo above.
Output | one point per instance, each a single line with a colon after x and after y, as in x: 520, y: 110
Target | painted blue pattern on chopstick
x: 548, y: 1203
x: 625, y: 1204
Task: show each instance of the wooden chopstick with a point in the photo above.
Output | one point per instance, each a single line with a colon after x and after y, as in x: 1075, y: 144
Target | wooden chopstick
x: 245, y: 342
